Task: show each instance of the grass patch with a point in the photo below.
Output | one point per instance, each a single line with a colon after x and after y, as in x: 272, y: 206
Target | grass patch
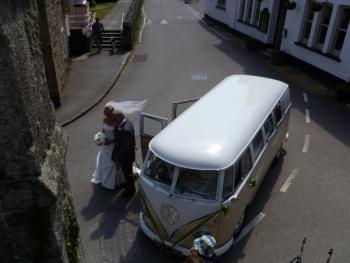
x: 102, y: 9
x: 138, y: 25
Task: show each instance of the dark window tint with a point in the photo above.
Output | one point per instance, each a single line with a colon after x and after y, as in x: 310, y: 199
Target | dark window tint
x: 258, y: 143
x: 159, y: 171
x: 269, y: 127
x: 228, y: 183
x: 326, y: 16
x: 278, y: 111
x: 197, y: 184
x: 244, y: 165
x: 307, y: 26
x: 342, y: 29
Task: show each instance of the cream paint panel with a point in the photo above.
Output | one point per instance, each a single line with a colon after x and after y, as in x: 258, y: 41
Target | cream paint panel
x: 247, y: 194
x: 189, y: 210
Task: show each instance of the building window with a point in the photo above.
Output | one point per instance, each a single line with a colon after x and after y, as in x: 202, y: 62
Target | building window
x: 221, y: 3
x: 249, y: 11
x: 341, y: 32
x: 257, y: 13
x: 307, y: 26
x: 241, y: 10
x: 323, y: 28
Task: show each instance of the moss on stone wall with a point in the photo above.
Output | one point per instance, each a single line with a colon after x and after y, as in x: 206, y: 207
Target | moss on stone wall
x: 31, y: 26
x: 71, y: 231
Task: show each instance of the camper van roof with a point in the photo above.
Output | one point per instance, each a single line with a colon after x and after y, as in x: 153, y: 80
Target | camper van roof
x: 213, y: 132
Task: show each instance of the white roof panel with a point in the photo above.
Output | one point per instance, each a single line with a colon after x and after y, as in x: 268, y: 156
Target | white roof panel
x: 211, y: 134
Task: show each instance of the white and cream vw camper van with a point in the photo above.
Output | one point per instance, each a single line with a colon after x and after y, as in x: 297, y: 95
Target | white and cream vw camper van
x: 201, y: 171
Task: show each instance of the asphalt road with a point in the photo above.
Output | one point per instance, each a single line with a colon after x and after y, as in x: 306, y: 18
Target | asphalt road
x: 181, y: 57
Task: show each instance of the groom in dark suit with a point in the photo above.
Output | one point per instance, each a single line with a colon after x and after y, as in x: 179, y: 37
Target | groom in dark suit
x: 124, y: 150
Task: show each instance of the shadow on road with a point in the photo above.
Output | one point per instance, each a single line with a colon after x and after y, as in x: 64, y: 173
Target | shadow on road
x: 264, y: 193
x: 111, y: 206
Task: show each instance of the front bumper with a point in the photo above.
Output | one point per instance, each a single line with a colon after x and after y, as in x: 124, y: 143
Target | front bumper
x: 184, y: 251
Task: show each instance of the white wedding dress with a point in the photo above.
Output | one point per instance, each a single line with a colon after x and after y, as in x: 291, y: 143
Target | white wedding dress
x: 106, y: 170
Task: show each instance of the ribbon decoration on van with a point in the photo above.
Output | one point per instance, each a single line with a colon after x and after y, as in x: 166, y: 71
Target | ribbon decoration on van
x: 149, y: 214
x: 206, y: 219
x: 224, y: 209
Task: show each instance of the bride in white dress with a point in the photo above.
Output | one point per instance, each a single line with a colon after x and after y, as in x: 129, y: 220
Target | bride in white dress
x: 106, y: 170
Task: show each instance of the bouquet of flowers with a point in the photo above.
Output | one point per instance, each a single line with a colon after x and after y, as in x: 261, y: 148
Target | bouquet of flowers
x: 100, y: 138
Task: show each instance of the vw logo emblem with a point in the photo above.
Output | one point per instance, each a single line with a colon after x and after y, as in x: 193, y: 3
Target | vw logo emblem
x: 169, y: 214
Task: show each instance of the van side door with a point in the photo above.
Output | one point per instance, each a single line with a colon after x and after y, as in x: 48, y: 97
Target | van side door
x: 150, y: 125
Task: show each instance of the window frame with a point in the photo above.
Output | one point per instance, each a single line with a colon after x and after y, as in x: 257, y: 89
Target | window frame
x: 334, y: 51
x: 256, y: 15
x: 278, y: 122
x: 233, y: 174
x: 242, y: 7
x: 249, y: 12
x: 159, y: 185
x: 201, y: 199
x: 267, y: 137
x: 238, y: 188
x: 309, y: 19
x: 221, y: 4
x: 322, y: 25
x: 257, y: 152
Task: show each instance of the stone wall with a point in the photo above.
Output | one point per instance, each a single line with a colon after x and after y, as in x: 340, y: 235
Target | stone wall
x: 36, y: 214
x: 54, y: 45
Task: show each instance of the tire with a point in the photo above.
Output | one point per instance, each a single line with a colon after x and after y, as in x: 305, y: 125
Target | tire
x: 279, y: 154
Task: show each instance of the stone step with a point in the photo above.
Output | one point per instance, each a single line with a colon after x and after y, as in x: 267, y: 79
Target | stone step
x: 107, y: 46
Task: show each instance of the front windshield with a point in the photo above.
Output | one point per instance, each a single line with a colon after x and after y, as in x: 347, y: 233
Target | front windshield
x: 197, y: 184
x: 160, y: 171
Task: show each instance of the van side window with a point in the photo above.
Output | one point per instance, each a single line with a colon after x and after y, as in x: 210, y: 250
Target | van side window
x: 278, y: 111
x: 244, y: 166
x: 269, y: 127
x: 227, y: 190
x: 258, y: 143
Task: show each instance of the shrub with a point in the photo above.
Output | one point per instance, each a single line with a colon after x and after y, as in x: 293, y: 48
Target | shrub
x: 343, y: 92
x: 92, y: 3
x: 316, y: 6
x: 277, y: 57
x: 291, y: 5
x: 252, y: 44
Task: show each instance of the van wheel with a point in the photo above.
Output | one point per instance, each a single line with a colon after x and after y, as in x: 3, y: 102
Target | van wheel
x: 279, y: 153
x: 239, y: 225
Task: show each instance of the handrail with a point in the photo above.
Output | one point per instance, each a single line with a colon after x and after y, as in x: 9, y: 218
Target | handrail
x: 82, y: 21
x: 121, y: 26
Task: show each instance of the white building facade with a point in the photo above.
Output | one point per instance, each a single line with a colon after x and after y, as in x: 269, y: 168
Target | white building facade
x: 320, y: 38
x: 255, y: 18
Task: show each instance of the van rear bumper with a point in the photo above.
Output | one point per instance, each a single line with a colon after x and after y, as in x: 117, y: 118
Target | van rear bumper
x: 184, y: 251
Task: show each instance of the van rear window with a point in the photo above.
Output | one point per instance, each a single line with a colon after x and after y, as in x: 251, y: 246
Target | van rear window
x: 197, y: 184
